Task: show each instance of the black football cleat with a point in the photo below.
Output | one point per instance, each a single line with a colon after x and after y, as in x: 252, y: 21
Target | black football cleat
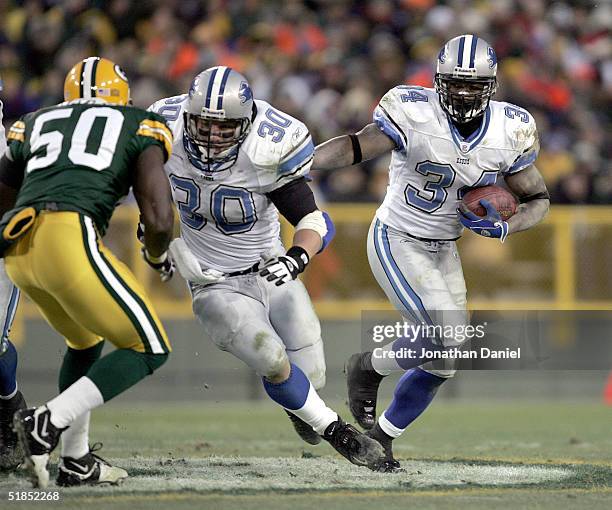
x: 387, y: 464
x: 353, y: 445
x: 38, y: 437
x: 362, y: 390
x: 11, y: 452
x: 305, y: 431
x: 90, y: 469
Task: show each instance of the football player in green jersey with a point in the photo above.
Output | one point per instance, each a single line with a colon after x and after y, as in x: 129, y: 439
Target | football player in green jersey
x: 66, y: 168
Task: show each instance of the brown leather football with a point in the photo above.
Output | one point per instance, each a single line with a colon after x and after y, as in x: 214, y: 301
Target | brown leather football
x: 501, y: 199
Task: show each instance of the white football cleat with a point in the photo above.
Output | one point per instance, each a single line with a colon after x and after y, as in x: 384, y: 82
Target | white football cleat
x: 89, y: 469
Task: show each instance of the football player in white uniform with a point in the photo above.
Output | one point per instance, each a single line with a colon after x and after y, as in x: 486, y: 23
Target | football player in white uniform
x: 11, y: 398
x: 237, y: 162
x: 444, y: 141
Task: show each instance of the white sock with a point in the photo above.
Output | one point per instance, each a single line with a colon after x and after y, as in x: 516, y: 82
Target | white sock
x: 388, y: 427
x: 9, y: 397
x: 74, y: 401
x: 75, y: 440
x: 315, y: 412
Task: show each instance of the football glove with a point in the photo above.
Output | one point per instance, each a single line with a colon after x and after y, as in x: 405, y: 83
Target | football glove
x: 162, y: 264
x: 189, y: 267
x: 287, y: 267
x: 490, y: 225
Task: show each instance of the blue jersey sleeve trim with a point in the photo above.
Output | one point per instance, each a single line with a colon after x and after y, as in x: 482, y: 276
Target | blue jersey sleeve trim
x: 523, y: 162
x: 304, y: 153
x: 389, y: 127
x: 331, y: 232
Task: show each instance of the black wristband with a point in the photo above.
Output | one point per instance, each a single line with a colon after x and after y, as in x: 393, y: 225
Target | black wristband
x: 536, y: 196
x: 357, y: 156
x: 300, y: 255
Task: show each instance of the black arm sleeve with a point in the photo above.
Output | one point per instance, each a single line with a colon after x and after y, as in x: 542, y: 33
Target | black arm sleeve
x: 294, y: 200
x: 11, y: 174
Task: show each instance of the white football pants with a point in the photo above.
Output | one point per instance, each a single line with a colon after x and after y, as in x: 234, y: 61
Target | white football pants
x: 263, y: 324
x: 9, y: 298
x: 423, y: 279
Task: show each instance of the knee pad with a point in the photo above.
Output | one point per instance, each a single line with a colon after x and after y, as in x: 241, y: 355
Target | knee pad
x: 271, y: 361
x: 260, y: 350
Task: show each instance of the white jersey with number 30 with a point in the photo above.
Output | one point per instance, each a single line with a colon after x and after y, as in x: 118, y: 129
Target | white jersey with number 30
x: 226, y: 218
x: 432, y: 164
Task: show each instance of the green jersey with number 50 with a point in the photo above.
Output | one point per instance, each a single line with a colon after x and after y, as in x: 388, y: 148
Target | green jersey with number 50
x: 81, y: 154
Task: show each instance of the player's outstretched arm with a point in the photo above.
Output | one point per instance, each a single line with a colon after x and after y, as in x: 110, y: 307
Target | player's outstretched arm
x: 152, y: 192
x: 351, y: 149
x: 313, y: 231
x: 531, y: 190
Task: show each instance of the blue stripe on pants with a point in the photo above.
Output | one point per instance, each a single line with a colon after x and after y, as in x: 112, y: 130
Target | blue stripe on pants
x: 406, y: 286
x: 398, y: 293
x: 10, y: 312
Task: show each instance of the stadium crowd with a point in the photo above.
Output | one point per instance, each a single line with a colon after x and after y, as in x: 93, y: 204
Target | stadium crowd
x: 328, y: 62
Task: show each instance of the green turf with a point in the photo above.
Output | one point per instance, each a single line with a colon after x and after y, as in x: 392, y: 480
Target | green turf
x: 572, y: 432
x: 478, y: 455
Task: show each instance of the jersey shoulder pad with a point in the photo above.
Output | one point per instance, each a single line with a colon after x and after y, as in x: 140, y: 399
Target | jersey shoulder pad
x: 412, y: 105
x: 153, y: 126
x: 15, y: 138
x: 519, y: 132
x: 171, y: 109
x: 405, y: 108
x: 519, y: 125
x: 279, y: 146
x: 16, y: 132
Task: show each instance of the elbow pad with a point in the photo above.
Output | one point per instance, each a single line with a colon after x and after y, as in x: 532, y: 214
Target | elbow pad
x: 321, y: 223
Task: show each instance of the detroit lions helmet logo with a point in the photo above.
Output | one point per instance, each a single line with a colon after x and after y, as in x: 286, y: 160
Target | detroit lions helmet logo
x: 245, y: 93
x: 492, y: 60
x: 442, y: 55
x: 194, y: 84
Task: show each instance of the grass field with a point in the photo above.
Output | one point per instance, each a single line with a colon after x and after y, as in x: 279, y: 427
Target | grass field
x: 246, y: 456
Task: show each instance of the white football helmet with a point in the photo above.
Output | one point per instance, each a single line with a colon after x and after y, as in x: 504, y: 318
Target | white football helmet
x: 218, y: 116
x: 466, y: 77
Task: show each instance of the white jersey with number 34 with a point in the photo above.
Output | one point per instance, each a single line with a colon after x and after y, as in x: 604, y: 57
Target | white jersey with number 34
x: 432, y: 164
x: 226, y: 218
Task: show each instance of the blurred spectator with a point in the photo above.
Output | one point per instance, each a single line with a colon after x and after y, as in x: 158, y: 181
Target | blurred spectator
x: 329, y: 61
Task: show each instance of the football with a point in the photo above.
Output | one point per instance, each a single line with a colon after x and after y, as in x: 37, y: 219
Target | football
x: 504, y: 201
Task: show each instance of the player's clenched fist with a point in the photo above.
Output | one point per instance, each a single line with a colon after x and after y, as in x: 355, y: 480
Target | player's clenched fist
x: 490, y: 225
x: 286, y: 267
x: 162, y: 264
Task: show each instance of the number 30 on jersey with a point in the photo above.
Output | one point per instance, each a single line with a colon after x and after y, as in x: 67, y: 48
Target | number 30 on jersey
x: 232, y: 208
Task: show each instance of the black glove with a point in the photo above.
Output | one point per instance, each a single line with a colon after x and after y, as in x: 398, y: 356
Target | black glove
x: 162, y: 264
x: 286, y: 267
